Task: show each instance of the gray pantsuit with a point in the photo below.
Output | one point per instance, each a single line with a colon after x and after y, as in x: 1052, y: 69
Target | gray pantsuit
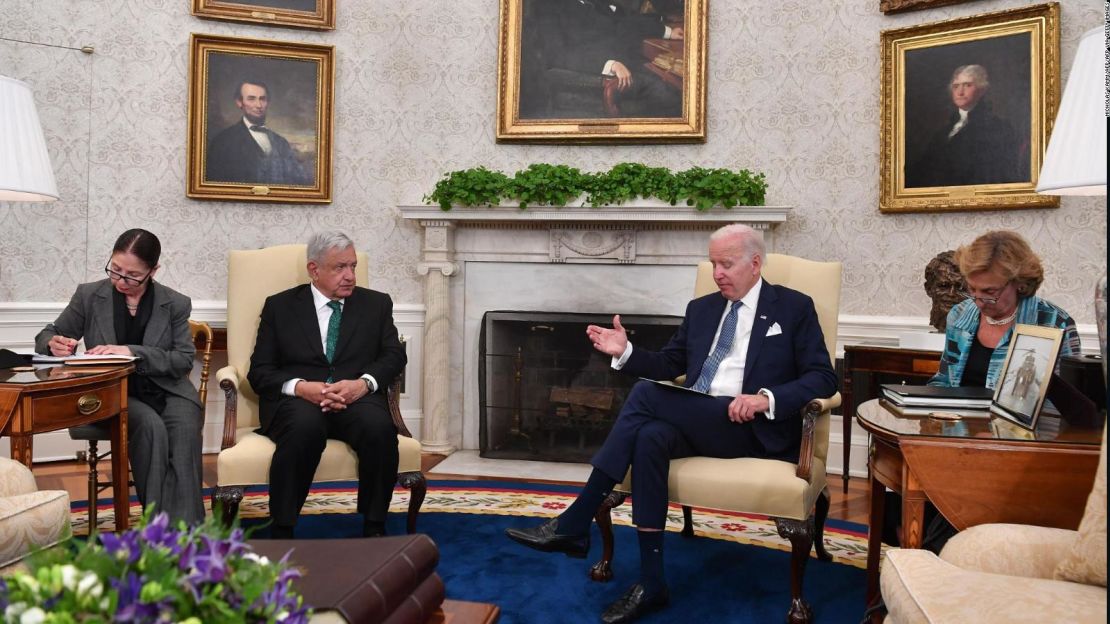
x: 164, y: 449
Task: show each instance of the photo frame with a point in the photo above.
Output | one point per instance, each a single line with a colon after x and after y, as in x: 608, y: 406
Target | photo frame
x: 612, y: 72
x: 1023, y: 383
x: 902, y: 6
x: 260, y: 120
x: 315, y: 14
x: 967, y: 106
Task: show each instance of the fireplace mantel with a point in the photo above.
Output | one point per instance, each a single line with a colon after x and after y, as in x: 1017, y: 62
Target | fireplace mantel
x: 672, y: 238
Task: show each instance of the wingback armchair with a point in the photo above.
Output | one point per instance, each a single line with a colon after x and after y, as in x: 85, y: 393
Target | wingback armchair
x: 29, y: 517
x: 795, y: 495
x: 245, y: 455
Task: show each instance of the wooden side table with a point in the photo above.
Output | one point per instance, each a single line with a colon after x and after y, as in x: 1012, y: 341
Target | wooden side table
x: 60, y: 397
x: 911, y: 365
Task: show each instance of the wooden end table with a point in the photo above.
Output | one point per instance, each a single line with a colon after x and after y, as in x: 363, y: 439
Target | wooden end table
x: 60, y: 397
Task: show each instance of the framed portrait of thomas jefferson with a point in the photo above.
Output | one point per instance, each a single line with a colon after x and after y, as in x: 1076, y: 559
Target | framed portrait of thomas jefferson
x: 260, y: 120
x: 601, y: 71
x: 967, y: 109
x: 317, y: 14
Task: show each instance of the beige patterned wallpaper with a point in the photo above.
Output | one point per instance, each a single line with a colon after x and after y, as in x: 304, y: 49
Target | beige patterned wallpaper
x: 793, y: 91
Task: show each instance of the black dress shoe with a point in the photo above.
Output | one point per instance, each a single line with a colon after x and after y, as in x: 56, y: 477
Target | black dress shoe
x: 545, y: 539
x: 634, y: 603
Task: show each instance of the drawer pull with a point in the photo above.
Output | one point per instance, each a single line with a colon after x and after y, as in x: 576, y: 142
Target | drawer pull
x: 88, y: 404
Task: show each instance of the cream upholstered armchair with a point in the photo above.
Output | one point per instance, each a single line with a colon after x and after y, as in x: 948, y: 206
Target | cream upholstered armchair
x: 794, y: 494
x: 245, y: 455
x: 1005, y: 572
x: 29, y: 517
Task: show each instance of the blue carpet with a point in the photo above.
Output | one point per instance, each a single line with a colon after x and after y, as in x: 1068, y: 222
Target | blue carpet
x: 711, y: 580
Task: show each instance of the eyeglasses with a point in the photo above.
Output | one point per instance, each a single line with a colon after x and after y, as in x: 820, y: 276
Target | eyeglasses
x: 130, y: 281
x: 993, y: 299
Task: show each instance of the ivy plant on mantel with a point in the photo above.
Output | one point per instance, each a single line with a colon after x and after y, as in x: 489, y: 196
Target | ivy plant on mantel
x: 557, y: 185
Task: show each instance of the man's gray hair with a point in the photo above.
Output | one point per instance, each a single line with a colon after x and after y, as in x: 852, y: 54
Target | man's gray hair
x: 751, y: 242
x: 321, y: 242
x: 978, y: 75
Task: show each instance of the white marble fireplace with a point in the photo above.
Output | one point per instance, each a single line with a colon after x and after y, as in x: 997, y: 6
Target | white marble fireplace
x: 615, y: 259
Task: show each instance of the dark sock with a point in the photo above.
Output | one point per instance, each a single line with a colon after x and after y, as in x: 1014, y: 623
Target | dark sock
x: 371, y: 528
x: 281, y: 532
x: 577, y: 518
x: 651, y: 561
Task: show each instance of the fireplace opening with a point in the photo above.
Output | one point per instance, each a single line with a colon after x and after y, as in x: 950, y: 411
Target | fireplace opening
x: 545, y: 394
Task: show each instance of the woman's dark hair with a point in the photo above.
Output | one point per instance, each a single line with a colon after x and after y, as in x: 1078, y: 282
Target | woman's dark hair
x: 143, y: 244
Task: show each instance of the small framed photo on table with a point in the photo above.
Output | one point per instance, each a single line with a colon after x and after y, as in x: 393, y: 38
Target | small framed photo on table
x: 1023, y: 384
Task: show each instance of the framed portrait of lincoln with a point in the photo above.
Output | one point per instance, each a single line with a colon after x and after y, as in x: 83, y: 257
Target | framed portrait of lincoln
x: 967, y: 107
x: 593, y: 71
x: 260, y: 120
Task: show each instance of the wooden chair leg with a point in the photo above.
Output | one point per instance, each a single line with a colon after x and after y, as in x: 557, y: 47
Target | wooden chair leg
x: 418, y: 488
x: 687, y: 521
x: 822, y: 513
x: 92, y: 459
x: 225, y: 502
x: 602, y: 571
x: 800, y: 533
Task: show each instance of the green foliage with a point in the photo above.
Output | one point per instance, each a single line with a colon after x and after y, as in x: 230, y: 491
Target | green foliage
x: 555, y: 185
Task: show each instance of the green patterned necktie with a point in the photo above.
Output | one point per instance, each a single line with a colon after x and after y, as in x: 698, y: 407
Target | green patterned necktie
x: 333, y: 331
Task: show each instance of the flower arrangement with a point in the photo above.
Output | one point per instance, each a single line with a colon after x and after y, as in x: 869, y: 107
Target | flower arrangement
x: 154, y: 573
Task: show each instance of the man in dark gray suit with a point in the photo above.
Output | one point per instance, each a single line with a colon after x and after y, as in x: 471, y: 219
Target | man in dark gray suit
x: 250, y: 152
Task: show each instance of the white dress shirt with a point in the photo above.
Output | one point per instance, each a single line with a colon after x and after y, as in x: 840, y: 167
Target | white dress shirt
x: 260, y: 137
x: 323, y: 317
x: 729, y: 378
x: 959, y: 125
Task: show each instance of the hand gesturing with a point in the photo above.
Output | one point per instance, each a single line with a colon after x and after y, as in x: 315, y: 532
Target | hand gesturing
x: 609, y: 341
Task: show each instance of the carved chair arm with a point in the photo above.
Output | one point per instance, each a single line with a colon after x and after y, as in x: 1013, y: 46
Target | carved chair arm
x: 393, y: 396
x: 228, y: 377
x: 810, y: 413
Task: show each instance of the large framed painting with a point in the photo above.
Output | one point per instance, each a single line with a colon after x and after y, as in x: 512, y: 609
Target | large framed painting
x: 260, y: 120
x: 317, y: 14
x: 967, y: 108
x: 575, y: 71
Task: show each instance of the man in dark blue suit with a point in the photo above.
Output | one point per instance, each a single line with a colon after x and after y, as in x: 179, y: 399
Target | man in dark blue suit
x: 755, y: 354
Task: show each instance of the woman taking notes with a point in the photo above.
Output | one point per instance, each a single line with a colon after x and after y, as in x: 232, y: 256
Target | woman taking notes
x: 130, y: 314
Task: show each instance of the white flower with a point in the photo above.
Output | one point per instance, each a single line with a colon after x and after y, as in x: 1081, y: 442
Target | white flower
x: 69, y: 576
x: 34, y: 615
x: 13, y: 610
x: 90, y: 586
x: 281, y: 617
x: 257, y: 558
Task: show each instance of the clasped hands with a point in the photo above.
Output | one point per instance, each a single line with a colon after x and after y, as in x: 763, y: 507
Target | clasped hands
x: 332, y: 397
x: 614, y: 341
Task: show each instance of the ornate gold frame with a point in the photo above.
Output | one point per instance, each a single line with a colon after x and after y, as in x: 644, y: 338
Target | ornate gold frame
x: 901, y: 6
x: 1042, y: 24
x: 201, y: 46
x: 323, y: 18
x: 690, y: 128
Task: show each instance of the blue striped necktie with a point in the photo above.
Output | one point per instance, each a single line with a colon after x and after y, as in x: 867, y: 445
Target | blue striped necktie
x: 724, y: 345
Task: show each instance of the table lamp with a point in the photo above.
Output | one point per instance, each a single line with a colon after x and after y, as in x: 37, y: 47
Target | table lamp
x: 25, y: 172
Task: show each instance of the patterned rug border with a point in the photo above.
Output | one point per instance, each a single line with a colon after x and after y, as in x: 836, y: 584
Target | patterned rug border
x: 845, y: 541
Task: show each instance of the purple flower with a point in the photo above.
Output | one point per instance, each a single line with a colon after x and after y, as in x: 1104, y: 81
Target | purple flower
x: 130, y: 609
x: 124, y: 546
x: 3, y: 594
x: 158, y: 533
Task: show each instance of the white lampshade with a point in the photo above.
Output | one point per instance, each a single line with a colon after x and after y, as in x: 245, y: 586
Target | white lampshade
x: 1075, y: 163
x: 25, y: 173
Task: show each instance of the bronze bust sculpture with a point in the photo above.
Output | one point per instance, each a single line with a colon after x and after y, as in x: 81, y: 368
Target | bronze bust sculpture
x: 945, y: 285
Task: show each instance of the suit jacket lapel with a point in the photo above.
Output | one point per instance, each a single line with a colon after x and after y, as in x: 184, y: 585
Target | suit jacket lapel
x: 352, y: 309
x: 310, y: 324
x: 159, y: 322
x: 104, y: 314
x: 764, y: 318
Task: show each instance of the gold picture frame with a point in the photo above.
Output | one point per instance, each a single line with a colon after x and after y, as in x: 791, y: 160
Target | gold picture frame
x: 936, y: 158
x: 315, y: 14
x: 553, y: 56
x: 260, y: 120
x: 901, y: 6
x: 1023, y: 382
